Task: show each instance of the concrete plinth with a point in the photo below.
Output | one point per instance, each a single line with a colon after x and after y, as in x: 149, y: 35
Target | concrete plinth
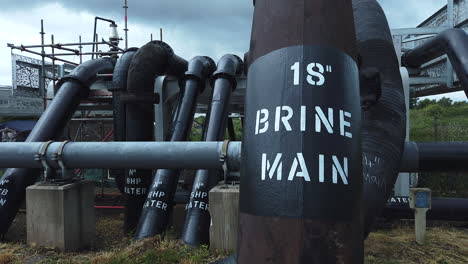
x: 61, y: 216
x: 224, y: 211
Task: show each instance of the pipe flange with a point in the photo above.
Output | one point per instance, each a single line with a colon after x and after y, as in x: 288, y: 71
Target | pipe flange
x: 223, y: 159
x: 41, y: 157
x: 58, y: 157
x: 224, y: 75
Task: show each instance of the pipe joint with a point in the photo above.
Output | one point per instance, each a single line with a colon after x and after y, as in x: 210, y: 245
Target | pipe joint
x: 228, y: 67
x: 199, y: 68
x: 85, y: 73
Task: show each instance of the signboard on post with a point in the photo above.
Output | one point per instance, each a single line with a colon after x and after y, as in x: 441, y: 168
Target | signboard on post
x: 420, y: 201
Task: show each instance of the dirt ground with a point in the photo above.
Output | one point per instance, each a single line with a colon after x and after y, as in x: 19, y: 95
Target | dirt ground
x: 390, y: 244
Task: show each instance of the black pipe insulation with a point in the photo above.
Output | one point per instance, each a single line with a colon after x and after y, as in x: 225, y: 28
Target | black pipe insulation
x: 72, y: 89
x: 153, y: 59
x: 447, y: 209
x: 435, y: 156
x: 159, y: 201
x: 301, y: 183
x: 384, y: 122
x: 197, y: 218
x: 119, y: 86
x: 452, y: 42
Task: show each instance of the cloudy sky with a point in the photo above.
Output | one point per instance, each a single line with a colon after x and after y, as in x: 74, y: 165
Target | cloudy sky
x: 191, y: 27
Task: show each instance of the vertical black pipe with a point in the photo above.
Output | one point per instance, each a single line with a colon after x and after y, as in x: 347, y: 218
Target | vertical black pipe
x: 301, y: 184
x: 153, y: 59
x: 383, y: 123
x: 119, y: 85
x: 158, y: 204
x: 73, y: 88
x: 197, y: 219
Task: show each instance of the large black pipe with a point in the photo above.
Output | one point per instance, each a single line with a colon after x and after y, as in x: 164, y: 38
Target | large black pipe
x: 159, y: 200
x: 384, y: 122
x: 73, y: 88
x: 435, y: 156
x: 447, y: 209
x: 119, y: 86
x: 197, y: 218
x: 452, y: 42
x: 153, y: 59
x: 301, y: 183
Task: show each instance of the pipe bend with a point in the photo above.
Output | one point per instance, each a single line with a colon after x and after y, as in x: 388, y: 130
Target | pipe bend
x: 85, y: 73
x: 199, y: 69
x: 228, y: 67
x: 447, y: 42
x: 153, y: 59
x: 452, y: 42
x: 383, y: 123
x: 119, y: 86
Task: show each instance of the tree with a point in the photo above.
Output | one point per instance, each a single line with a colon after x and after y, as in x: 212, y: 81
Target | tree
x: 434, y: 110
x: 445, y: 102
x: 424, y: 103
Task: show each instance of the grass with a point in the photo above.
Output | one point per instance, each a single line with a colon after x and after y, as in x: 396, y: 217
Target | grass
x: 111, y: 247
x: 445, y: 245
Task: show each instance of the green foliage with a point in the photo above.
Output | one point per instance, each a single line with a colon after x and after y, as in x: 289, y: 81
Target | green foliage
x: 434, y: 110
x: 441, y: 120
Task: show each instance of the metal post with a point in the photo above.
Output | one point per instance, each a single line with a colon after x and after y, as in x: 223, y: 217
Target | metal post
x: 450, y: 24
x: 53, y: 66
x: 81, y: 50
x: 42, y: 88
x: 126, y: 20
x: 160, y: 34
x: 97, y: 45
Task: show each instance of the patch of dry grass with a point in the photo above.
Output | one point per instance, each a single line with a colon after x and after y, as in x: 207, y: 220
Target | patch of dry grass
x: 444, y: 245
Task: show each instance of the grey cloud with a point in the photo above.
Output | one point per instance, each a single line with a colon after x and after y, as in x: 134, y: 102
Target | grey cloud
x: 182, y: 11
x: 212, y: 23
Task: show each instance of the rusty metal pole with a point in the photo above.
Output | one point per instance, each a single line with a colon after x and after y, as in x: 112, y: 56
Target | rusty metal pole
x: 301, y: 187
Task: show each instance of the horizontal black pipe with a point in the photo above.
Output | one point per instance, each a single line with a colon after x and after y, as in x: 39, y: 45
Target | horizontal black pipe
x: 157, y: 208
x: 454, y: 209
x: 435, y: 156
x: 452, y: 42
x: 142, y: 155
x: 73, y: 88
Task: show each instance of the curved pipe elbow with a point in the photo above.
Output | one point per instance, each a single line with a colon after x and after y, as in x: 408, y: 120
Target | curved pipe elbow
x: 200, y: 68
x: 86, y: 73
x: 447, y: 42
x: 153, y: 59
x: 452, y: 42
x: 228, y: 67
